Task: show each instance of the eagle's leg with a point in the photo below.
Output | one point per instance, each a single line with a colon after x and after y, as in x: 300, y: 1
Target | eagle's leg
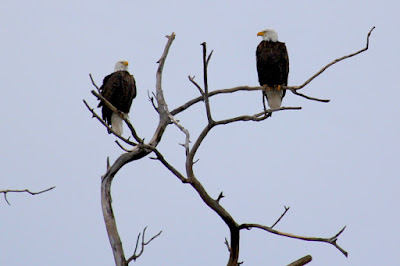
x: 264, y: 96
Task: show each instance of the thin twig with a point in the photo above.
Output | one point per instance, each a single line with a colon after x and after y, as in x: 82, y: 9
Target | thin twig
x: 283, y: 214
x: 151, y: 99
x: 209, y: 57
x: 123, y: 148
x: 94, y: 84
x: 220, y: 196
x: 310, y: 98
x: 184, y: 130
x: 227, y: 245
x: 22, y: 191
x: 196, y: 85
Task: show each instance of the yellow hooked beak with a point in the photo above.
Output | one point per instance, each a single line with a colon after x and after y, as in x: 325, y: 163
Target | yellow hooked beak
x: 125, y: 63
x: 261, y: 33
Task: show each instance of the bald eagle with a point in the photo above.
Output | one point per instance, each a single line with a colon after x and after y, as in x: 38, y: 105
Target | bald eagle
x: 272, y: 67
x: 119, y: 88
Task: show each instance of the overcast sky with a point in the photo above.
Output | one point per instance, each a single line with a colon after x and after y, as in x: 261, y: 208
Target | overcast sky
x: 334, y: 164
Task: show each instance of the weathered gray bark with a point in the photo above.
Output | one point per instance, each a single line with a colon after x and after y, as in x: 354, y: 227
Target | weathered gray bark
x: 166, y: 117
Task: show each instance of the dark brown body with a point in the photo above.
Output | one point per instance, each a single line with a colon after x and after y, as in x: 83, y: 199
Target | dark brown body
x: 119, y: 88
x: 272, y: 64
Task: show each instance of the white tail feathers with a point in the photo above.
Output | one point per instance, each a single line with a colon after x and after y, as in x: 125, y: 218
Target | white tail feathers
x: 274, y: 98
x: 117, y: 123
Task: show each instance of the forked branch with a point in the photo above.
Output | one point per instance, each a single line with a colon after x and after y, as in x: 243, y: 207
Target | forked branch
x: 331, y: 240
x: 280, y: 218
x: 143, y: 244
x: 22, y: 191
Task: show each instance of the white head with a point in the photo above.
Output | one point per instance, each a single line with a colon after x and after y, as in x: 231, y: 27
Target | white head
x: 121, y: 65
x: 269, y: 35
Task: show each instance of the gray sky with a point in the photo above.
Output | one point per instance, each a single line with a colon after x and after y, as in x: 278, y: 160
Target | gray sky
x: 334, y: 164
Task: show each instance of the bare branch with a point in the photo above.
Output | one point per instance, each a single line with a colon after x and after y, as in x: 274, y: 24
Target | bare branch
x: 209, y: 57
x: 310, y: 98
x: 256, y: 117
x: 227, y: 245
x: 332, y: 63
x: 135, y: 256
x: 217, y: 92
x: 22, y: 191
x: 159, y: 92
x: 108, y: 128
x: 283, y: 214
x: 196, y: 85
x: 161, y: 158
x: 123, y: 148
x: 331, y: 240
x: 94, y: 84
x: 220, y: 196
x: 184, y: 130
x: 302, y: 261
x: 121, y: 114
x: 151, y: 99
x: 212, y: 93
x: 206, y: 100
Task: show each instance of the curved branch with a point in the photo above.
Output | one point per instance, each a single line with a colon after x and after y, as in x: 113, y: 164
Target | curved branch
x: 334, y: 62
x: 196, y: 84
x: 138, y: 152
x: 331, y: 240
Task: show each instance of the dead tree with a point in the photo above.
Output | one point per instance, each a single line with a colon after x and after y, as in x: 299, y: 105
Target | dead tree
x: 138, y: 149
